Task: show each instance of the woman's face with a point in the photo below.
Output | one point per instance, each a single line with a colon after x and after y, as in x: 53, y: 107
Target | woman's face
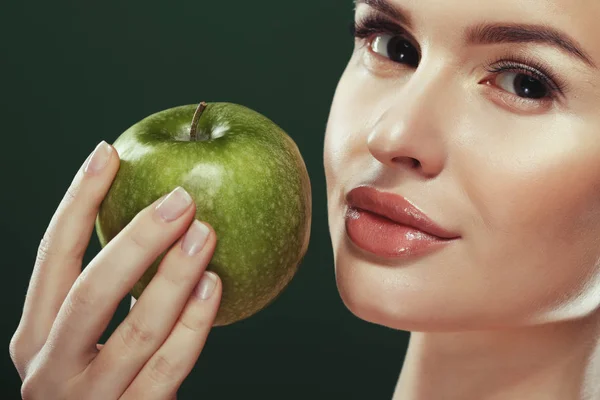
x: 498, y: 142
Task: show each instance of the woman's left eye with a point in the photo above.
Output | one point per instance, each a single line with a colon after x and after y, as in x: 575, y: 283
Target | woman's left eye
x: 522, y: 85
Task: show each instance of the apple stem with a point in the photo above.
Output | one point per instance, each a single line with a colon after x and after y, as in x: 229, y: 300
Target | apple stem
x: 194, y: 127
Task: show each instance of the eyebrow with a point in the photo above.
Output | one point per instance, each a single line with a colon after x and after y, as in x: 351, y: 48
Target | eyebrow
x: 388, y: 9
x: 495, y: 33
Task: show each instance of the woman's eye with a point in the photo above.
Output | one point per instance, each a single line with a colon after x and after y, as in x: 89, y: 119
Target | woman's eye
x: 396, y: 48
x: 522, y: 85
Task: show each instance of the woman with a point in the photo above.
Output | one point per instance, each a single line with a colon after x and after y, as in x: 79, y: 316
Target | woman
x: 473, y: 126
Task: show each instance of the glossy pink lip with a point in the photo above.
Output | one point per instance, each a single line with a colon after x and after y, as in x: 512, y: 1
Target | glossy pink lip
x: 397, y: 209
x: 388, y: 225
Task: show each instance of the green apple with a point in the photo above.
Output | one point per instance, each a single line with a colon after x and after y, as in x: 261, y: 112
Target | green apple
x: 248, y: 180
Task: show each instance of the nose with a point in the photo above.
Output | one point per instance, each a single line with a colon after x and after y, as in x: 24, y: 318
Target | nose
x: 410, y: 132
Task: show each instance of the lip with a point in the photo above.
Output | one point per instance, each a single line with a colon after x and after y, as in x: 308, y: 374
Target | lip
x: 389, y: 225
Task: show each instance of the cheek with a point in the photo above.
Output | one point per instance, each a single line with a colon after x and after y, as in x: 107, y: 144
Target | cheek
x: 537, y: 198
x: 341, y: 123
x: 353, y: 108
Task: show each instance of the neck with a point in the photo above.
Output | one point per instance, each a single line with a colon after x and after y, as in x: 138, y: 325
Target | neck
x: 554, y: 361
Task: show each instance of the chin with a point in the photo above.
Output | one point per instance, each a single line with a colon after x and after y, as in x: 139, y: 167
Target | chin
x: 382, y: 294
x: 409, y: 296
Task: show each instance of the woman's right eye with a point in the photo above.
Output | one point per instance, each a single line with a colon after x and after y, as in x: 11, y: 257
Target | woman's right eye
x: 396, y: 48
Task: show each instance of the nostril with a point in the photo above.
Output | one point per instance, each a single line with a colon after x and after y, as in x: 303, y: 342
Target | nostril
x: 412, y: 162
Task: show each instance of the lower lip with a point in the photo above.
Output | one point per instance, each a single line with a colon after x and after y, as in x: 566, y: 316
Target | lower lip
x: 383, y: 237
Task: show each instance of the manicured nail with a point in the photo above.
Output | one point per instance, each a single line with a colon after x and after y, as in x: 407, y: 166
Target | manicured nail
x: 174, y: 205
x: 99, y: 158
x: 195, y: 238
x: 206, y: 286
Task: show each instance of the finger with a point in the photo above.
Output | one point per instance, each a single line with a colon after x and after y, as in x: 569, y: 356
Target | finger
x: 164, y: 372
x: 99, y: 289
x: 61, y: 250
x: 152, y: 318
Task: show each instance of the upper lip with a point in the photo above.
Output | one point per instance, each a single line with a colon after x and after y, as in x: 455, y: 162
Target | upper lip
x: 395, y: 208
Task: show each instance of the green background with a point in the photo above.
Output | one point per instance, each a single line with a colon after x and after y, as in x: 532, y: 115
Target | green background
x: 75, y: 73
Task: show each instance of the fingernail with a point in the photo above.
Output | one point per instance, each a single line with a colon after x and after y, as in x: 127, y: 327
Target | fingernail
x: 195, y: 238
x: 206, y: 286
x: 99, y: 158
x: 174, y: 205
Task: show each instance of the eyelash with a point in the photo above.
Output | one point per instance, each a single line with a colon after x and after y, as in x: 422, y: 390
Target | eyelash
x: 377, y: 24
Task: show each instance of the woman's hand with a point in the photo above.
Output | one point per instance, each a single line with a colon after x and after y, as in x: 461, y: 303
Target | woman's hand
x: 66, y: 311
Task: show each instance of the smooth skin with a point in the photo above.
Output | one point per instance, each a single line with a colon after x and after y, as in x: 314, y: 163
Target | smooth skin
x: 510, y: 310
x: 55, y: 347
